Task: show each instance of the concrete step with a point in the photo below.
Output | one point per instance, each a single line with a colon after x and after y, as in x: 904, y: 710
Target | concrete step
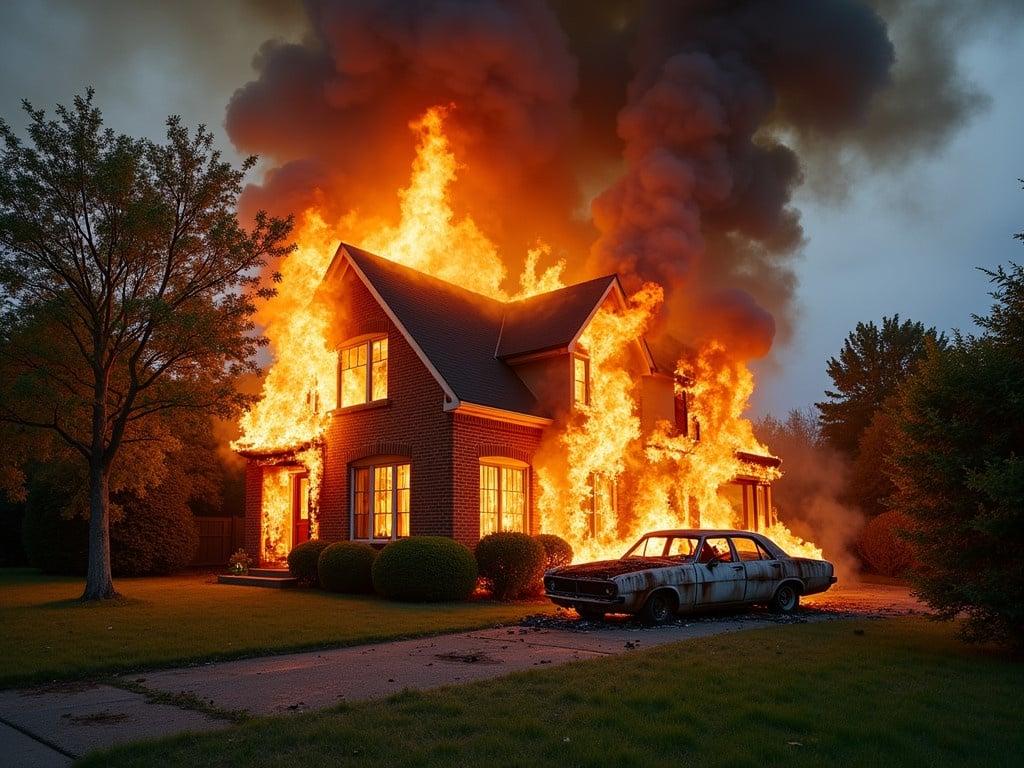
x: 274, y: 572
x: 248, y: 580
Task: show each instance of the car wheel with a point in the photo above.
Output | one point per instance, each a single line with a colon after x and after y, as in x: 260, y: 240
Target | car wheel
x: 658, y: 609
x: 590, y: 614
x: 785, y: 600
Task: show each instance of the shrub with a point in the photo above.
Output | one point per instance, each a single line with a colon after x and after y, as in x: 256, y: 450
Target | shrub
x: 156, y: 534
x: 54, y: 543
x: 347, y: 567
x: 513, y: 563
x: 557, y: 551
x: 303, y: 561
x: 882, y: 546
x: 425, y: 569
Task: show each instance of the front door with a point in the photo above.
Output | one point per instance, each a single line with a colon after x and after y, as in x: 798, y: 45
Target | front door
x: 721, y: 576
x: 763, y: 569
x: 300, y: 508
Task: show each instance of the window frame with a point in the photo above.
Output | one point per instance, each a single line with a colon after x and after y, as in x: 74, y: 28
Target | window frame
x: 576, y: 357
x: 371, y: 466
x: 596, y: 518
x: 367, y: 343
x: 503, y: 463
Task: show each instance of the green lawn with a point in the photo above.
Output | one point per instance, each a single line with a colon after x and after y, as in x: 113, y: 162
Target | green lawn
x: 890, y: 693
x: 45, y: 634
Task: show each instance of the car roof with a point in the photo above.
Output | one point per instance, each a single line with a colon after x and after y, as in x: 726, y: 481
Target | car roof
x: 703, y: 532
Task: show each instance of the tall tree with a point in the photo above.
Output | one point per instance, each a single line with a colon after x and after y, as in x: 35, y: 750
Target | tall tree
x: 127, y: 289
x: 871, y: 365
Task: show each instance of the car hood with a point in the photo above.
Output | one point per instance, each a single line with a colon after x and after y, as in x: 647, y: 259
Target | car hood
x: 609, y: 569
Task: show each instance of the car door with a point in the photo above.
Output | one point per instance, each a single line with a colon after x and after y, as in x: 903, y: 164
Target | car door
x: 722, y: 578
x: 761, y: 568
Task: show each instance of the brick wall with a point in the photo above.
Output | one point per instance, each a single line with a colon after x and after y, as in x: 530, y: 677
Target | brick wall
x: 411, y: 422
x: 253, y: 504
x: 475, y: 437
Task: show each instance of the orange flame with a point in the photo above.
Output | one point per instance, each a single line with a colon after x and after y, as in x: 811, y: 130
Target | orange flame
x: 601, y: 443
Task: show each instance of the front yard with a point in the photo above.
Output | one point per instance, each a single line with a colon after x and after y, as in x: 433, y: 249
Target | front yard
x: 899, y: 692
x: 45, y: 634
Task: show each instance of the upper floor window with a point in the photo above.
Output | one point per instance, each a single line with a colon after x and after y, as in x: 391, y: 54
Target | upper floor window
x: 364, y: 373
x: 503, y: 489
x: 580, y: 380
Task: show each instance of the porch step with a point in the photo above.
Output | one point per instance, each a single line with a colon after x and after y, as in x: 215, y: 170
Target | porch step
x: 251, y: 580
x: 276, y: 572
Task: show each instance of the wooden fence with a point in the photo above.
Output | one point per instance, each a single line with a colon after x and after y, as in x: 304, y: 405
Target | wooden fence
x: 219, y: 537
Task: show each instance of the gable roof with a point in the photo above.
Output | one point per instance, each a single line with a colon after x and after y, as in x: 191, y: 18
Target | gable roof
x: 462, y: 336
x: 551, y: 320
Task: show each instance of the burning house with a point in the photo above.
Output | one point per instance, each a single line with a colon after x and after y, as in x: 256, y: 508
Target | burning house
x: 447, y: 413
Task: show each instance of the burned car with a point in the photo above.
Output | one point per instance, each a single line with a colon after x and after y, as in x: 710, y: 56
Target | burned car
x: 667, y: 572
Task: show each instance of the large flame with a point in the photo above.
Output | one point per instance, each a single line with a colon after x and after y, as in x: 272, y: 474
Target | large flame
x: 672, y: 474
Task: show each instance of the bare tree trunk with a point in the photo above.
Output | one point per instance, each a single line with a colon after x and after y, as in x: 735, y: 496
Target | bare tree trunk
x: 99, y: 584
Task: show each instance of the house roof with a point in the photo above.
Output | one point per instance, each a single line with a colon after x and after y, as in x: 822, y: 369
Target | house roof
x: 455, y: 330
x: 551, y: 320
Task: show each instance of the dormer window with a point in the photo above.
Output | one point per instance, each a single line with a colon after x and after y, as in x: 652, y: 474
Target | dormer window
x: 580, y: 380
x: 363, y: 372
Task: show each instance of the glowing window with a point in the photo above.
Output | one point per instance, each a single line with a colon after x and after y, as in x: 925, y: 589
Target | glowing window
x: 364, y: 373
x: 604, y: 503
x: 380, y: 502
x: 581, y: 380
x: 503, y: 498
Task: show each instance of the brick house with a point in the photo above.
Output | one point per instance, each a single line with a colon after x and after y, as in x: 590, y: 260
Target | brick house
x: 444, y: 397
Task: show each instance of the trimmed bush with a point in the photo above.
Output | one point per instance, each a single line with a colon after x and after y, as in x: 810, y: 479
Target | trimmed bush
x: 425, y: 569
x: 347, y: 567
x: 513, y: 563
x: 303, y: 561
x: 557, y: 551
x: 882, y: 544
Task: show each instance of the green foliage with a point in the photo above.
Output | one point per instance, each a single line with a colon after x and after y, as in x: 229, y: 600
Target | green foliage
x: 156, y: 534
x: 512, y: 563
x: 347, y: 567
x: 869, y: 485
x: 425, y: 569
x: 958, y: 468
x: 54, y: 542
x: 883, y: 544
x: 557, y: 551
x: 871, y: 365
x: 128, y: 286
x: 303, y: 560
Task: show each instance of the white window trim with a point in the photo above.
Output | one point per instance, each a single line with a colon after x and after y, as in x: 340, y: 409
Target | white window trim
x: 594, y: 514
x: 368, y: 342
x: 508, y: 463
x: 393, y: 465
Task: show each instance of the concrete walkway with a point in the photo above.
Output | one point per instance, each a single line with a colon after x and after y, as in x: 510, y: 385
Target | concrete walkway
x: 51, y: 726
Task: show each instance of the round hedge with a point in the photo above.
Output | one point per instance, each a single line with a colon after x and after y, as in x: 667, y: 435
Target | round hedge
x: 557, y: 551
x: 303, y: 561
x: 347, y: 567
x: 425, y: 569
x: 513, y: 563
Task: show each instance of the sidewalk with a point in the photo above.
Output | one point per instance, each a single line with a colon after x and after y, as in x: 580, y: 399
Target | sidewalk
x: 51, y: 726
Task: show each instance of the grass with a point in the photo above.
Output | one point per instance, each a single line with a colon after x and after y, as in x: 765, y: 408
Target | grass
x: 901, y: 692
x: 46, y: 634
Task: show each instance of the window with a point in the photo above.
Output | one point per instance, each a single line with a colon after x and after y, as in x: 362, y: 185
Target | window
x: 677, y: 547
x: 503, y: 497
x: 580, y: 380
x: 748, y: 549
x: 364, y: 373
x: 380, y: 501
x: 715, y: 549
x: 604, y: 503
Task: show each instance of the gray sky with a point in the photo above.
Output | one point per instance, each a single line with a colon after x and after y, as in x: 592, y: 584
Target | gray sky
x: 904, y: 239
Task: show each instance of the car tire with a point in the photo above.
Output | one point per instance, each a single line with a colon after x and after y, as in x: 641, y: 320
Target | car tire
x: 658, y: 609
x: 785, y: 600
x: 590, y: 614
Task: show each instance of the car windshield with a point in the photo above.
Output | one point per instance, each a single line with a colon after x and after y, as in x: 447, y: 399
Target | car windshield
x: 680, y: 548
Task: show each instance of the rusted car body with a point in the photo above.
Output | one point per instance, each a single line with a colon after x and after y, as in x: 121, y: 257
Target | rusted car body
x: 667, y: 572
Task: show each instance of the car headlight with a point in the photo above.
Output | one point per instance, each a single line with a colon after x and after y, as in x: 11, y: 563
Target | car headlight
x: 611, y: 590
x: 549, y: 583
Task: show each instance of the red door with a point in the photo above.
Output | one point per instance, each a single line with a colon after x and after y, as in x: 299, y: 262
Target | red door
x: 300, y: 508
